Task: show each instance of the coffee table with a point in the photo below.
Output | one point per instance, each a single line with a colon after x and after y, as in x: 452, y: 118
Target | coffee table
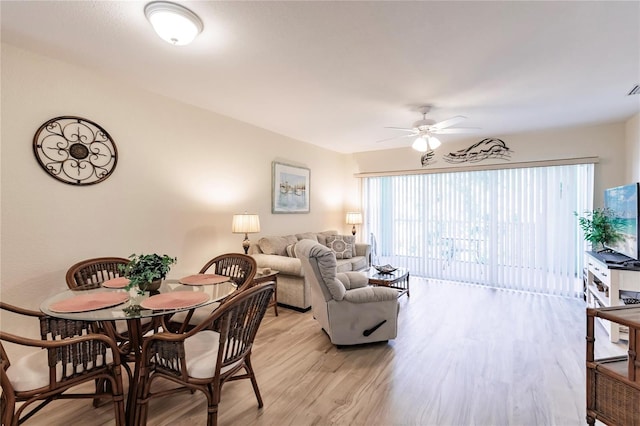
x: 398, y: 279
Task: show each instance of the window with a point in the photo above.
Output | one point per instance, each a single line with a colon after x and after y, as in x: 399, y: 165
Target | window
x: 511, y: 228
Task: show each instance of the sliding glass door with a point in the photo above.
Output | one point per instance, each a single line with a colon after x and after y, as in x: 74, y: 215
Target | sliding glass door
x: 511, y: 228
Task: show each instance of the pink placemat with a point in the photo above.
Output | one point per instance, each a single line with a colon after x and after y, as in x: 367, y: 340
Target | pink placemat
x: 174, y: 300
x: 120, y: 282
x: 203, y: 279
x: 90, y: 302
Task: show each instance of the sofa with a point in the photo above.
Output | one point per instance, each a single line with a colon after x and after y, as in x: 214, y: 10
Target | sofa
x: 278, y: 253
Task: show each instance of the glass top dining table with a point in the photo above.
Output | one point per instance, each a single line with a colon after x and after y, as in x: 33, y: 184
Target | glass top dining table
x: 135, y: 305
x: 108, y: 304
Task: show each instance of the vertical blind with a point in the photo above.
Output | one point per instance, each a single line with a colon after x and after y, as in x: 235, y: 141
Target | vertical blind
x: 511, y: 228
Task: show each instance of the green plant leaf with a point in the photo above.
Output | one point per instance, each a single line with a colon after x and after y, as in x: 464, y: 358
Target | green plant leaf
x: 142, y: 269
x: 600, y: 226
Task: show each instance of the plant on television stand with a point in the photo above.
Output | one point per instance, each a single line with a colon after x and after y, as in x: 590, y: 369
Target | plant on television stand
x: 600, y: 227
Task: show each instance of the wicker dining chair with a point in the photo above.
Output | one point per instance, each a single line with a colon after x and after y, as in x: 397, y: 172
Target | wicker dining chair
x: 240, y: 268
x: 91, y: 273
x: 95, y: 271
x: 207, y: 356
x: 68, y: 354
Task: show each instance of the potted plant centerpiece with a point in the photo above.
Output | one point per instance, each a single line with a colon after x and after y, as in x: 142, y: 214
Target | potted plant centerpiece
x: 146, y: 271
x: 600, y: 227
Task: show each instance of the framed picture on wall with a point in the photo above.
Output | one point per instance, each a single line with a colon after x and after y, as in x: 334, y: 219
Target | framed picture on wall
x: 289, y: 188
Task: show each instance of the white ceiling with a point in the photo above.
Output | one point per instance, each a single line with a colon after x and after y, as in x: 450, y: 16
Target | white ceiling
x: 335, y: 74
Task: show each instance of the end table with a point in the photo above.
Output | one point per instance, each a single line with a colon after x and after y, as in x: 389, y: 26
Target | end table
x: 263, y: 276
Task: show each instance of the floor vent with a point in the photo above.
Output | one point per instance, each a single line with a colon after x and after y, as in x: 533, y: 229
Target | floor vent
x: 635, y: 90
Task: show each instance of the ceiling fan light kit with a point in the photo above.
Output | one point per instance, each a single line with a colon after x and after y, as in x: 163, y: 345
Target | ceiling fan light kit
x: 420, y: 144
x: 423, y: 143
x: 426, y: 127
x: 434, y: 142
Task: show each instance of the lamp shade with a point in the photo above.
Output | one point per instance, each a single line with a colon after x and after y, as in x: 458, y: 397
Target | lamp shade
x: 354, y: 218
x: 245, y: 223
x: 434, y: 142
x: 420, y: 144
x: 174, y: 24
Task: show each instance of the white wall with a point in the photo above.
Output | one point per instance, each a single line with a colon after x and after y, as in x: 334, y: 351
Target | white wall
x: 605, y: 141
x: 182, y: 172
x: 632, y: 144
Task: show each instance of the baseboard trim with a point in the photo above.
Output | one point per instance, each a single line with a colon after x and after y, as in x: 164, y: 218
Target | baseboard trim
x: 294, y: 308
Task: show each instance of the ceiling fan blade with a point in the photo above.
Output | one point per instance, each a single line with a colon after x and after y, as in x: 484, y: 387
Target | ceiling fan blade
x: 401, y: 128
x: 452, y: 130
x: 448, y: 122
x: 396, y: 137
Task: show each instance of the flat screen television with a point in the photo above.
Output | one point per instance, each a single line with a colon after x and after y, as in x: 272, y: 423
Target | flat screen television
x: 623, y: 203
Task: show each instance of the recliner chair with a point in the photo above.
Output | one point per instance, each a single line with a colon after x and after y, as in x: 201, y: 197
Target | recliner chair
x: 349, y: 310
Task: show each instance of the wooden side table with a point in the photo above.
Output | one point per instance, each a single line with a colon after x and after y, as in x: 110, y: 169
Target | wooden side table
x: 613, y: 384
x: 270, y: 275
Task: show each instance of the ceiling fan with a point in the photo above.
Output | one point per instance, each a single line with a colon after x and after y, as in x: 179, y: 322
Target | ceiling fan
x: 423, y: 130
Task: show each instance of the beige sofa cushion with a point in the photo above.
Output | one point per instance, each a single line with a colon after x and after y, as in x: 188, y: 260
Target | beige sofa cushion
x: 276, y: 245
x: 307, y: 236
x: 345, y: 265
x: 358, y: 263
x: 322, y: 236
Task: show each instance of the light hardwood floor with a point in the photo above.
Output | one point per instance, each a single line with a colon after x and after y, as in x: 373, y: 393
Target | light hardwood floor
x: 464, y: 355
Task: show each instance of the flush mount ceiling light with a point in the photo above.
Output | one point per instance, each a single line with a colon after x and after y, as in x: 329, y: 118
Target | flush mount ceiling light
x: 173, y: 23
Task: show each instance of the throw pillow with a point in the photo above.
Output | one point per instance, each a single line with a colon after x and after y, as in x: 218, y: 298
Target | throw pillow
x: 341, y: 245
x: 291, y: 250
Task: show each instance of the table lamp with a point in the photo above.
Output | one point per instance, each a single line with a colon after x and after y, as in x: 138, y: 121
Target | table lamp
x: 354, y: 218
x: 245, y: 224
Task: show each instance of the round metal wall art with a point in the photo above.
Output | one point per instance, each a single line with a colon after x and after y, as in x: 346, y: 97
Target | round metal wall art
x: 75, y: 150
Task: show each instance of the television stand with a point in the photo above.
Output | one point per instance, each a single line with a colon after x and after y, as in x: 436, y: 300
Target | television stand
x: 610, y: 256
x: 605, y: 280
